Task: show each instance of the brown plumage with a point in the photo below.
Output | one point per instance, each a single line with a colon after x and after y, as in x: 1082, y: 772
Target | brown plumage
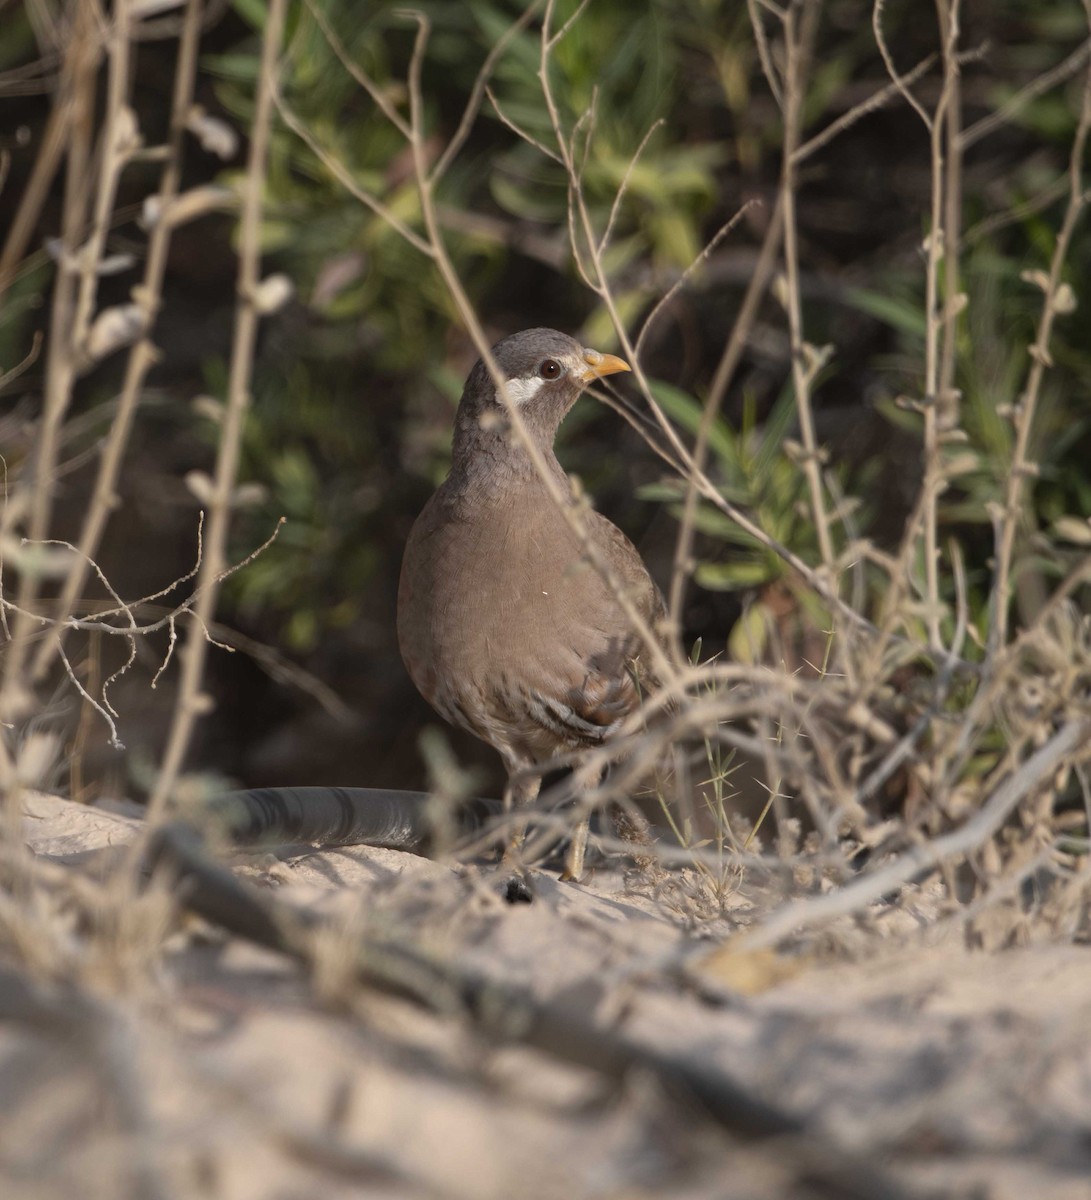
x: 505, y: 626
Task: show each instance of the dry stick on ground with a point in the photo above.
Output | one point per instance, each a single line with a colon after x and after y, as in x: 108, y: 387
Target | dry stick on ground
x: 142, y: 354
x: 191, y: 701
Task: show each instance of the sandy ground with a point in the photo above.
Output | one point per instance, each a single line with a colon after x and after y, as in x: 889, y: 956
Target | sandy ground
x: 210, y: 1068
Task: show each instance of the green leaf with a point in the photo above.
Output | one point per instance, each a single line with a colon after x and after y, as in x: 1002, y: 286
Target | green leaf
x: 732, y: 575
x: 684, y: 408
x: 523, y: 202
x: 749, y: 636
x: 253, y: 12
x: 675, y: 238
x: 892, y: 311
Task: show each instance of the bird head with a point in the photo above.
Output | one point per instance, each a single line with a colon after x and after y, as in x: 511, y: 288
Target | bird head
x: 544, y: 373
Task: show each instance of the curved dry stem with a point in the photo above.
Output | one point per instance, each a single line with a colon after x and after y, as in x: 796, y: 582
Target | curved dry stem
x: 684, y: 278
x: 937, y: 318
x: 343, y: 176
x: 1015, y: 104
x: 899, y: 81
x: 873, y: 103
x: 683, y: 566
x: 378, y: 96
x: 765, y: 54
x: 477, y: 92
x: 623, y: 188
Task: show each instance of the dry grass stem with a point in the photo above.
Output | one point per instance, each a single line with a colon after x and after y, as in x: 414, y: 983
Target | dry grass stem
x: 1008, y: 520
x: 191, y: 702
x: 142, y: 354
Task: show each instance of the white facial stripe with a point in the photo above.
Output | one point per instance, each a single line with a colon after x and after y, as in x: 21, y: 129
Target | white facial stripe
x: 522, y: 391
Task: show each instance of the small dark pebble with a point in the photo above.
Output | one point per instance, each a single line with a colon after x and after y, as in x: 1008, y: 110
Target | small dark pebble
x: 516, y: 890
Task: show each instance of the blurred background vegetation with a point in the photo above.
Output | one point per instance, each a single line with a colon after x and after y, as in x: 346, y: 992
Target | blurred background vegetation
x: 358, y: 376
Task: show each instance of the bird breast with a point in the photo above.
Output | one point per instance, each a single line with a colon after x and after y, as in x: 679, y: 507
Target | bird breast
x: 503, y: 621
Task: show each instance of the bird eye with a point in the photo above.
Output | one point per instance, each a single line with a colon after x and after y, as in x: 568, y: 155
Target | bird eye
x: 550, y: 369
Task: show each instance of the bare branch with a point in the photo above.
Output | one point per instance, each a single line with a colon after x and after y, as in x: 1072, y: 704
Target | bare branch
x: 873, y: 103
x: 477, y: 93
x: 684, y: 278
x: 1014, y: 105
x: 888, y: 60
x: 797, y: 42
x: 341, y: 173
x: 522, y: 133
x: 378, y: 96
x: 623, y: 187
x: 1040, y: 363
x: 761, y: 41
x: 238, y: 400
x: 142, y: 354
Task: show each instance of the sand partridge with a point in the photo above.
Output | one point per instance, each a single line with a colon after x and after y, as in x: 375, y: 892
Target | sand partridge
x: 504, y: 625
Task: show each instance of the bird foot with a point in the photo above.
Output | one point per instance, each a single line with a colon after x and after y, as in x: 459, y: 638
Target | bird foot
x: 573, y: 859
x: 585, y: 875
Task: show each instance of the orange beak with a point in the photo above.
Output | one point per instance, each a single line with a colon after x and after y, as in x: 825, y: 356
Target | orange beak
x: 601, y: 364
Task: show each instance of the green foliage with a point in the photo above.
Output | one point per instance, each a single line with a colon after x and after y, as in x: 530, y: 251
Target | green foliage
x: 376, y: 314
x: 996, y: 330
x: 755, y: 474
x: 369, y: 356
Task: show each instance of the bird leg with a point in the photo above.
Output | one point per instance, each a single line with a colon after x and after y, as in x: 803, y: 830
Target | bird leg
x: 519, y: 794
x: 584, y: 779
